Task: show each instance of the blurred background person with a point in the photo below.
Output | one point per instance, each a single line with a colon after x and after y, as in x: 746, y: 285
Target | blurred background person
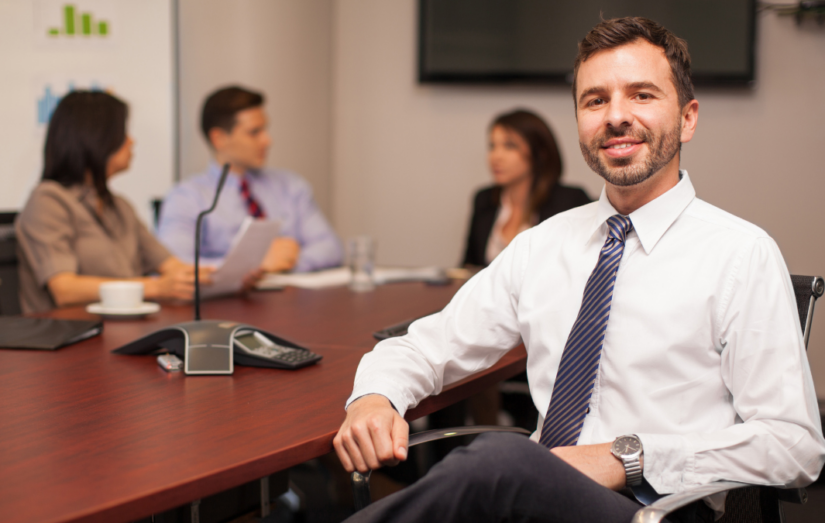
x: 234, y: 124
x: 73, y: 233
x: 526, y: 167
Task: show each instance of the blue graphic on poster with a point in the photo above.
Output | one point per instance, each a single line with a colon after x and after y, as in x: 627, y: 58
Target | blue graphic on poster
x: 49, y: 100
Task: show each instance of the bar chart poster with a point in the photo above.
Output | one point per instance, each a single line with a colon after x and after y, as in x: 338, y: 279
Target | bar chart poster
x: 87, y: 23
x: 49, y: 48
x: 50, y: 89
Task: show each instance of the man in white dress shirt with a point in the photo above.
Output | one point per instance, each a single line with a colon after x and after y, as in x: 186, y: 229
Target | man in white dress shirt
x: 701, y: 373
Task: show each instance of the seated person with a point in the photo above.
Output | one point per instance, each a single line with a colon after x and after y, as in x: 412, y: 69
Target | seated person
x: 234, y: 125
x: 526, y: 167
x: 73, y: 233
x: 678, y: 360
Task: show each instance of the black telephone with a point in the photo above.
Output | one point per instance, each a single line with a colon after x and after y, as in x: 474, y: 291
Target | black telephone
x: 205, y: 347
x: 253, y: 346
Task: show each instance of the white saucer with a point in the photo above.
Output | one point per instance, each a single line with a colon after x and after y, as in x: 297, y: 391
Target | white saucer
x: 119, y: 313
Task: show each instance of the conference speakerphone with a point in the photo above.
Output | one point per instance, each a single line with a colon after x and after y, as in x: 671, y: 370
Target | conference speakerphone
x: 213, y: 347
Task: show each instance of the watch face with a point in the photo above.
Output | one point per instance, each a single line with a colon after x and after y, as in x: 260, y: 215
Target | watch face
x: 627, y: 445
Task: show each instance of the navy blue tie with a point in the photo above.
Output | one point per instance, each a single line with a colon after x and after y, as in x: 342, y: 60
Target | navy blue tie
x: 580, y: 360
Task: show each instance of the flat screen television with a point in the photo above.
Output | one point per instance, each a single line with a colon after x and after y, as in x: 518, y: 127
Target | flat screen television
x: 491, y: 41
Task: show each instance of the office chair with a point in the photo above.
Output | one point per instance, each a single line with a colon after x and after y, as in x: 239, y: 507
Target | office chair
x: 157, y: 205
x: 744, y: 504
x: 9, y: 278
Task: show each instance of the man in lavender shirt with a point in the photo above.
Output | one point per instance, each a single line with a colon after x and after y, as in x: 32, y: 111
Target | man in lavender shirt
x: 234, y: 124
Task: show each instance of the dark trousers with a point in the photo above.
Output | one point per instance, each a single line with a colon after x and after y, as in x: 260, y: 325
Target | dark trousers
x: 505, y: 478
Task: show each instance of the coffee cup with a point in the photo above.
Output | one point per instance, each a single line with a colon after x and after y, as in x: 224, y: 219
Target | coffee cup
x: 121, y: 294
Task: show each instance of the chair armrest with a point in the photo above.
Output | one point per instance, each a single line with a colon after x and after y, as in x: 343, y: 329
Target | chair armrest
x: 361, y: 482
x: 434, y: 435
x: 655, y: 512
x: 798, y: 496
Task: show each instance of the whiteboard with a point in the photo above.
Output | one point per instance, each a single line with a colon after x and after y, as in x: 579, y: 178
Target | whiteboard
x: 126, y: 47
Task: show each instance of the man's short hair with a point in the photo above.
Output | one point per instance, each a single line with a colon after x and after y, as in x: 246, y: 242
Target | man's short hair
x: 221, y: 107
x: 620, y: 31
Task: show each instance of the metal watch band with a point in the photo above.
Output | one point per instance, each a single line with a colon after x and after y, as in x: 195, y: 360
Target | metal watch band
x: 633, y: 471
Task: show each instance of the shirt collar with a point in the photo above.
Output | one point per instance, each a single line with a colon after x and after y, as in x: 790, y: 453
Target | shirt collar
x: 652, y: 220
x: 215, y: 169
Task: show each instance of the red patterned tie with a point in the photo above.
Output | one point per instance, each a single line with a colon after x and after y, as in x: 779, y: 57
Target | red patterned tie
x: 251, y: 205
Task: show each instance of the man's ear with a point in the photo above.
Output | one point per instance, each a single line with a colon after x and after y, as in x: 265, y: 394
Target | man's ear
x: 218, y: 138
x: 690, y: 117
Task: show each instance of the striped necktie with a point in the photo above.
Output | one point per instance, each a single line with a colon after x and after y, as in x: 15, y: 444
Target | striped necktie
x: 579, y: 365
x: 252, y: 206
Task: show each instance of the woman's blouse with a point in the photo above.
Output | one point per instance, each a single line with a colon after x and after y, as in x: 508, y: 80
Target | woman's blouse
x: 486, y: 210
x: 496, y: 242
x: 60, y: 231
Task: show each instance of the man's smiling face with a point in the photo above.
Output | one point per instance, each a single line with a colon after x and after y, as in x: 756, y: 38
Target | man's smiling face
x: 629, y: 119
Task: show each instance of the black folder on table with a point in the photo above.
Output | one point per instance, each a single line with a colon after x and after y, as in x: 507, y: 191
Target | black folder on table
x: 21, y: 332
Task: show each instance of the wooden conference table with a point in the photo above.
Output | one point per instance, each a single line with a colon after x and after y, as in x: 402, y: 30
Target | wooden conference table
x: 87, y: 435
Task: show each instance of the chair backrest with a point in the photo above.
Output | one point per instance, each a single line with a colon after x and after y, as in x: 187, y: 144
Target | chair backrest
x: 157, y: 205
x: 807, y: 289
x: 9, y: 277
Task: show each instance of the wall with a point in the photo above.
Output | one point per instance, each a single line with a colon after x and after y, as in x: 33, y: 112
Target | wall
x: 407, y: 157
x: 280, y: 47
x: 133, y: 60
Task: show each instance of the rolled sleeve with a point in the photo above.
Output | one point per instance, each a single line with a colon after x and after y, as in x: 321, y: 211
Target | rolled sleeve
x: 45, y: 233
x: 668, y: 462
x: 152, y: 252
x: 320, y: 246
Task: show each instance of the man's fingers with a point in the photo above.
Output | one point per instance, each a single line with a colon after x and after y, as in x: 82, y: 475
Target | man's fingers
x: 400, y: 438
x: 343, y: 455
x: 382, y: 440
x: 363, y: 438
x: 355, y: 452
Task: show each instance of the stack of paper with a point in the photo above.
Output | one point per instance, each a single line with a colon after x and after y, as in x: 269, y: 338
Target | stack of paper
x: 341, y: 276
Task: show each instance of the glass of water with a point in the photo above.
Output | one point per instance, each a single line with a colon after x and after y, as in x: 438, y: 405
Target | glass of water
x: 361, y: 258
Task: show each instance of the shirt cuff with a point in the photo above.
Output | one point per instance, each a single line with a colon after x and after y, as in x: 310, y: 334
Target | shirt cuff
x: 352, y: 400
x: 398, y: 399
x: 669, y: 462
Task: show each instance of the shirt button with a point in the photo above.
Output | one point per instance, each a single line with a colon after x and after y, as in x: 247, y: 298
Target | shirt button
x: 587, y: 410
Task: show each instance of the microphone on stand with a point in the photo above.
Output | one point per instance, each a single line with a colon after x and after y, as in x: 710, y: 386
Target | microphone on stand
x: 221, y: 182
x: 213, y: 346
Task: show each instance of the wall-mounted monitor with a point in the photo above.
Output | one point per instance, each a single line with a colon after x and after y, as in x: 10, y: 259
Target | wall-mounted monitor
x: 492, y: 41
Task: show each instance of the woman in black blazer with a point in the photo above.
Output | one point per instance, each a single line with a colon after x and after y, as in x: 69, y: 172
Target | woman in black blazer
x: 526, y: 166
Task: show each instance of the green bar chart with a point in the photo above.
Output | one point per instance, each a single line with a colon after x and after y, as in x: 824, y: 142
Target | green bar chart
x: 76, y: 23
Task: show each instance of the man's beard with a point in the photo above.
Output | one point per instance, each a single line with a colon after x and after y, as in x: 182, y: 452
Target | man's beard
x: 662, y: 149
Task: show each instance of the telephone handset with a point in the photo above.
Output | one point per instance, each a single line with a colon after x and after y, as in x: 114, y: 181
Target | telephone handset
x: 252, y: 344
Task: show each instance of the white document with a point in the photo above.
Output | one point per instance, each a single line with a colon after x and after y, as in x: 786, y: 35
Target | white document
x: 384, y: 275
x: 342, y: 276
x: 307, y: 280
x: 246, y: 253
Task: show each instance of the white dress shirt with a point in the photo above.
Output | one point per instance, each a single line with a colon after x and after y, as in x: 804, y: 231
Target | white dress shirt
x: 703, y: 356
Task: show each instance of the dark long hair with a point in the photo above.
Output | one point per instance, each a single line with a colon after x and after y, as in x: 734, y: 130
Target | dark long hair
x: 86, y: 128
x: 545, y: 159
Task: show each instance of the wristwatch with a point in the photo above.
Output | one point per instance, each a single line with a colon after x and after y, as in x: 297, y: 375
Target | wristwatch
x: 629, y: 449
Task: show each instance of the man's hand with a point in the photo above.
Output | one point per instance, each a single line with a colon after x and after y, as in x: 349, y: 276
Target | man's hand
x: 596, y: 462
x: 372, y: 435
x: 282, y: 255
